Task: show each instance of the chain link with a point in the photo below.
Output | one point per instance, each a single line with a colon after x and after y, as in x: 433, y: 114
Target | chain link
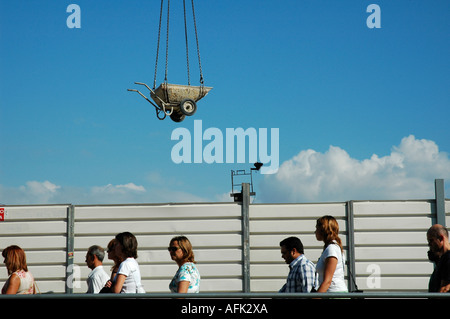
x: 167, y: 43
x: 167, y: 39
x: 187, y: 45
x: 198, y: 48
x: 157, y: 46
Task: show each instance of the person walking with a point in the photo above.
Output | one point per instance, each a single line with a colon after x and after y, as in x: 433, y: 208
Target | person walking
x: 20, y: 281
x: 98, y: 277
x: 112, y: 256
x: 302, y: 272
x: 437, y: 237
x: 330, y: 266
x: 187, y: 277
x: 128, y: 278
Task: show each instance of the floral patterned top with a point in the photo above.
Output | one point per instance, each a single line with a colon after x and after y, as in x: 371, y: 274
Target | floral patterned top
x: 26, y: 283
x: 187, y: 272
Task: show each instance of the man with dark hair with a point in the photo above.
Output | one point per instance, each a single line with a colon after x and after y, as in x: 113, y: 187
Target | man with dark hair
x: 437, y: 237
x: 302, y: 272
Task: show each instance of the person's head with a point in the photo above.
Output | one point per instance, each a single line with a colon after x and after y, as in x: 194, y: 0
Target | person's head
x: 291, y: 248
x: 327, y: 230
x: 110, y: 249
x: 437, y: 237
x: 180, y: 250
x: 14, y: 259
x: 95, y: 256
x: 126, y: 245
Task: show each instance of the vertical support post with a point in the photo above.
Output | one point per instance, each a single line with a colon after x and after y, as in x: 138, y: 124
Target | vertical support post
x: 70, y: 248
x: 351, y: 247
x: 245, y: 237
x: 440, y: 201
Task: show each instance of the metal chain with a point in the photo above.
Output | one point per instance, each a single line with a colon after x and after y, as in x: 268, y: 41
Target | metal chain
x: 167, y: 39
x: 157, y: 46
x: 187, y: 46
x: 167, y: 43
x: 198, y: 48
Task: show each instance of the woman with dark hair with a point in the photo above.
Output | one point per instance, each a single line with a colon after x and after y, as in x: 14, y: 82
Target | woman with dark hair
x: 187, y: 278
x: 128, y: 278
x: 20, y: 280
x: 330, y: 266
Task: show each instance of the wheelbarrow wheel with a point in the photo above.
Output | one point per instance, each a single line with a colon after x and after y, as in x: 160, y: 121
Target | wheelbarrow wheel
x: 188, y: 107
x: 177, y: 117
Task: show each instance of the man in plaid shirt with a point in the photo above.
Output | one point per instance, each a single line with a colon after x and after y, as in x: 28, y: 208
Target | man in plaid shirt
x: 302, y: 274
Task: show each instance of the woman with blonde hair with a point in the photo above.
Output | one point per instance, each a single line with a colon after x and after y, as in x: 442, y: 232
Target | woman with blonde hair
x: 20, y: 280
x: 187, y: 278
x: 330, y: 266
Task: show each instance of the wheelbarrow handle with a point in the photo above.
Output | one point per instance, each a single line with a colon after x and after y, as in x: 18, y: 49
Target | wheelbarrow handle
x: 133, y: 90
x: 140, y: 83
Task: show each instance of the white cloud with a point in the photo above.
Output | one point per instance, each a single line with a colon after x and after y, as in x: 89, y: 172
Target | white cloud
x: 407, y: 173
x: 34, y: 192
x: 117, y: 189
x: 31, y: 192
x: 38, y: 188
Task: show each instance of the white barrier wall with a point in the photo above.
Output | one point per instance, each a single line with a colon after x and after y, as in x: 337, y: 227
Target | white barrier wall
x: 270, y: 224
x: 389, y: 246
x: 213, y: 229
x: 41, y: 232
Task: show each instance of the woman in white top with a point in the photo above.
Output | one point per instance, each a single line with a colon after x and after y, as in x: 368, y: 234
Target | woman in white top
x: 20, y: 280
x: 128, y: 278
x: 330, y: 266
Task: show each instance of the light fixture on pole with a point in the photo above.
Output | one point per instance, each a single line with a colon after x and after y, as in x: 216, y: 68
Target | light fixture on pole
x: 241, y: 172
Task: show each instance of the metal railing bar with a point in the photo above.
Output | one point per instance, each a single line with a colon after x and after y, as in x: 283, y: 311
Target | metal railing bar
x: 251, y: 295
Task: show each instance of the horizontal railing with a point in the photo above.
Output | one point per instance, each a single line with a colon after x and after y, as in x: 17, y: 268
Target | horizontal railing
x: 368, y: 295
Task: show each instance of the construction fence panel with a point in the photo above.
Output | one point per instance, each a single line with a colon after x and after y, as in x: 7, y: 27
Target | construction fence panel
x: 41, y: 232
x: 391, y: 245
x: 213, y: 229
x: 387, y: 249
x: 271, y: 223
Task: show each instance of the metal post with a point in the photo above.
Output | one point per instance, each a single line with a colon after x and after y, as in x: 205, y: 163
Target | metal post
x: 351, y: 273
x: 245, y: 237
x: 70, y: 249
x: 440, y: 201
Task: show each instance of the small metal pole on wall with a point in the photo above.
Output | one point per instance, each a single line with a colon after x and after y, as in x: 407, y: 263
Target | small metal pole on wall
x: 245, y: 237
x: 70, y: 249
x: 440, y: 202
x: 351, y: 247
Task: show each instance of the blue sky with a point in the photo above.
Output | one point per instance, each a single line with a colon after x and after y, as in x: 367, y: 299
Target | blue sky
x: 362, y: 113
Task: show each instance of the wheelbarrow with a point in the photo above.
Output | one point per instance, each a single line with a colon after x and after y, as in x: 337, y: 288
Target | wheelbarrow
x: 177, y: 101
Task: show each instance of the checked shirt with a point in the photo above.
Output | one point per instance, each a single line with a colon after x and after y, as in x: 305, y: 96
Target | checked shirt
x: 302, y: 276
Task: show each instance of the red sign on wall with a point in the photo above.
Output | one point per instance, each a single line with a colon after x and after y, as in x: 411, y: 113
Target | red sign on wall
x: 2, y: 214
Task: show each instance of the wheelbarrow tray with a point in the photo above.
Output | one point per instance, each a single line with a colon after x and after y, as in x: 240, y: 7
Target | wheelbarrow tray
x: 173, y: 94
